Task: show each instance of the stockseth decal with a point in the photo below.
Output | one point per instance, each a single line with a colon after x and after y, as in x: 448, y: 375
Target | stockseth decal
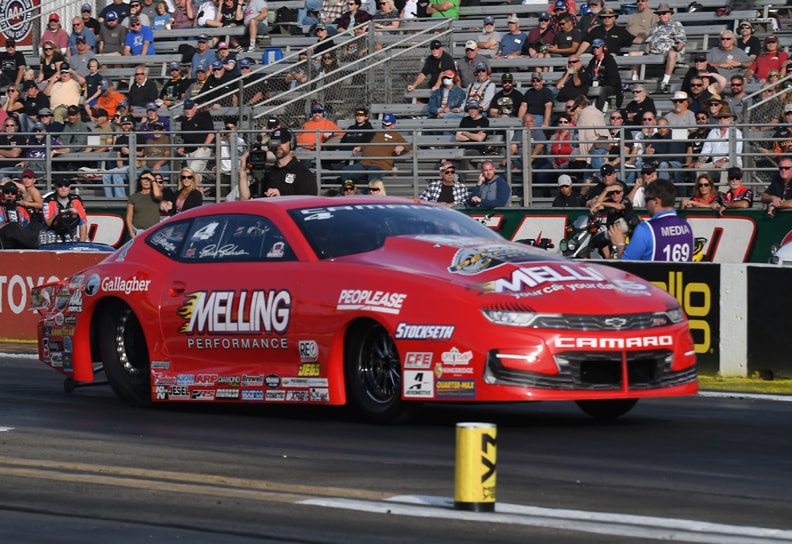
x: 418, y: 359
x: 405, y: 331
x: 373, y: 301
x: 613, y: 343
x: 229, y: 312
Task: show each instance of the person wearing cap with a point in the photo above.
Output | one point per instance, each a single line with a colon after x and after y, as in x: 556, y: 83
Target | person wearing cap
x: 489, y: 40
x: 615, y: 37
x: 11, y: 145
x: 716, y: 154
x: 136, y: 11
x: 472, y: 133
x: 739, y: 196
x: 435, y: 64
x: 539, y: 100
x: 115, y: 177
x: 567, y: 37
x: 637, y: 194
x: 254, y: 82
x: 111, y: 36
x: 605, y: 74
x: 354, y: 16
x: 47, y: 118
x: 446, y: 9
x: 680, y: 116
x: 287, y: 176
x: 34, y: 101
x: 323, y: 42
x: 538, y: 40
x: 228, y: 59
x: 196, y: 86
x: 448, y: 190
x: 203, y: 55
x: 157, y: 149
x: 608, y: 179
x: 377, y: 156
x: 491, y: 190
x: 64, y: 89
x: 102, y: 128
x: 217, y: 85
x: 512, y: 43
x: 482, y: 90
x: 508, y: 102
x: 466, y: 67
x: 175, y: 88
x: 79, y: 31
x: 109, y: 98
x: 640, y: 104
x: 74, y: 139
x: 770, y: 58
x: 80, y: 58
x: 139, y: 40
x: 359, y: 133
x: 449, y: 100
x: 666, y: 37
x: 15, y: 232
x: 348, y: 188
x: 152, y: 117
x: 589, y: 18
x: 197, y: 134
x: 567, y: 197
x: 64, y: 212
x: 119, y: 8
x: 89, y: 22
x: 317, y: 129
x: 575, y: 81
x: 746, y: 41
x: 12, y: 64
x: 713, y: 81
x: 727, y: 58
x: 56, y: 34
x: 183, y: 14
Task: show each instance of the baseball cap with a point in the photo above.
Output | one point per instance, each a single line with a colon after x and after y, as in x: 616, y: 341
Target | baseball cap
x: 244, y: 63
x: 200, y: 68
x: 605, y: 12
x: 86, y: 7
x: 272, y: 122
x: 317, y: 108
x: 111, y: 16
x: 126, y: 120
x: 606, y: 170
x: 222, y: 45
x: 72, y: 110
x: 436, y: 44
x: 203, y: 38
x: 473, y: 104
x: 10, y: 42
x: 544, y: 16
x: 320, y: 27
x: 480, y: 67
x: 787, y: 108
x: 536, y: 76
x: 54, y: 17
x: 388, y: 119
x: 134, y: 19
x: 700, y: 58
x: 598, y: 42
x: 39, y: 126
x: 348, y: 183
x: 45, y: 111
x: 104, y: 84
x: 735, y: 172
x: 216, y: 65
x: 123, y: 104
x: 28, y: 84
x: 99, y: 112
x: 281, y: 135
x: 488, y: 20
x: 361, y: 111
x: 507, y: 77
x: 65, y: 67
x: 80, y: 38
x: 174, y: 66
x: 189, y: 104
x: 471, y: 44
x: 28, y: 173
x: 151, y: 106
x: 10, y: 188
x: 446, y: 165
x: 157, y: 125
x: 648, y: 169
x: 559, y: 5
x: 513, y: 19
x: 564, y: 180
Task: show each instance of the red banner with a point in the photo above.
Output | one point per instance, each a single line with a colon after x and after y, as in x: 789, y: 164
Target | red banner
x: 17, y: 18
x: 23, y: 270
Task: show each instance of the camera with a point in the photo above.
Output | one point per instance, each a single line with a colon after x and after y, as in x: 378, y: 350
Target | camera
x: 540, y: 46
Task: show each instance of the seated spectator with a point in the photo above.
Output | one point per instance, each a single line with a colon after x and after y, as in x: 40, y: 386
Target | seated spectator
x: 538, y: 40
x: 747, y: 41
x: 489, y: 40
x: 183, y: 15
x: 229, y: 14
x: 143, y: 90
x: 448, y: 101
x: 228, y: 59
x: 771, y: 58
x: 203, y: 55
x: 104, y: 129
x: 560, y: 148
x: 12, y: 64
x: 472, y: 133
x: 508, y: 102
x: 640, y: 104
x: 700, y: 69
x: 13, y: 104
x: 354, y: 16
x: 255, y: 83
x: 55, y: 34
x: 162, y: 20
x: 139, y: 40
x: 535, y: 136
x: 197, y: 134
x: 135, y: 10
x: 512, y: 44
x: 539, y: 100
x: 11, y: 146
x: 434, y: 65
x: 729, y: 60
x: 64, y: 90
x: 174, y: 89
x: 448, y: 190
x: 37, y: 150
x: 491, y: 190
x: 80, y: 59
x: 446, y: 9
x: 112, y: 36
x: 157, y: 150
x: 482, y: 90
x: 575, y: 81
x: 377, y: 155
x: 207, y: 12
x: 49, y: 63
x: 93, y: 85
x: 316, y: 130
x: 215, y: 89
x: 64, y: 213
x: 605, y: 74
x: 705, y: 195
x: 34, y: 101
x: 567, y: 37
x: 117, y: 7
x: 739, y: 195
x: 715, y: 153
x: 80, y: 31
x: 109, y: 98
x: 32, y: 200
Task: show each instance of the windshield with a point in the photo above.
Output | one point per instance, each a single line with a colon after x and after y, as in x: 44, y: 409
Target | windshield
x: 335, y: 231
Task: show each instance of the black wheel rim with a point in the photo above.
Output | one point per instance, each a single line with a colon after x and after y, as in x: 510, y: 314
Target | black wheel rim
x: 378, y: 369
x: 130, y: 345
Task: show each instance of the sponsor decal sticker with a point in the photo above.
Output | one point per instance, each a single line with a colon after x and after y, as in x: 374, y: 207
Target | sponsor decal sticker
x: 319, y: 394
x: 456, y: 357
x: 276, y: 396
x: 272, y: 381
x: 228, y: 381
x: 309, y: 351
x: 120, y: 285
x: 300, y: 395
x: 406, y: 331
x: 606, y: 343
x: 185, y: 379
x: 179, y: 392
x: 205, y: 380
x: 418, y: 384
x: 418, y: 359
x: 373, y: 301
x: 474, y: 260
x: 92, y: 285
x: 456, y: 389
x: 203, y: 394
x: 253, y: 381
x: 252, y: 395
x: 225, y: 393
x: 309, y: 369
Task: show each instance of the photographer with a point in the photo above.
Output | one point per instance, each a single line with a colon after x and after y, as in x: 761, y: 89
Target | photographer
x: 15, y: 232
x: 287, y: 176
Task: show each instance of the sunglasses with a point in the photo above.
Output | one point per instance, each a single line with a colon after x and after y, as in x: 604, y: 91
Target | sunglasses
x: 637, y: 92
x: 679, y: 100
x: 451, y: 171
x: 648, y: 119
x: 186, y: 177
x: 736, y: 177
x: 726, y: 39
x: 703, y: 184
x: 563, y: 122
x: 374, y: 189
x: 10, y: 125
x: 140, y: 73
x: 615, y: 118
x: 133, y: 25
x: 702, y: 118
x: 785, y: 167
x: 348, y: 189
x: 62, y: 184
x: 47, y: 49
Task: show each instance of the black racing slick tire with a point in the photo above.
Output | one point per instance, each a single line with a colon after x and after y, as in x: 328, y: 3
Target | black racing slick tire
x: 606, y: 409
x: 374, y: 375
x: 125, y: 355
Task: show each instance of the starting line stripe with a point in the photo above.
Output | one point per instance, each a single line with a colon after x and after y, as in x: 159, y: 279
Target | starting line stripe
x: 657, y: 528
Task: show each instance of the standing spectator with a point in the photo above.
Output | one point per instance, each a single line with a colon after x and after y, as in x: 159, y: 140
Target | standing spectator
x: 616, y: 37
x: 93, y: 85
x: 88, y: 21
x: 118, y: 7
x: 778, y: 194
x: 55, y: 34
x: 175, y: 88
x: 473, y: 130
x: 508, y: 102
x: 729, y: 60
x: 80, y: 31
x: 64, y: 212
x: 115, y: 178
x: 49, y: 63
x: 135, y: 10
x: 139, y: 40
x: 489, y: 40
x: 203, y: 55
x: 539, y: 100
x: 466, y: 67
x: 287, y: 176
x: 512, y: 44
x: 605, y: 74
x: 449, y: 100
x: 183, y: 15
x: 435, y: 64
x: 354, y: 16
x: 188, y: 195
x: 640, y: 104
x: 739, y: 195
x: 771, y: 58
x: 491, y: 190
x: 448, y: 190
x: 574, y: 82
x: 64, y: 89
x: 535, y: 136
x: 34, y: 101
x: 197, y: 133
x: 667, y: 37
x: 595, y: 140
x: 11, y: 145
x: 255, y: 20
x: 567, y: 39
x: 232, y: 162
x: 559, y: 150
x: 12, y: 64
x: 749, y: 43
x: 482, y: 90
x: 112, y: 36
x: 567, y: 198
x: 143, y: 90
x: 539, y: 38
x: 143, y: 206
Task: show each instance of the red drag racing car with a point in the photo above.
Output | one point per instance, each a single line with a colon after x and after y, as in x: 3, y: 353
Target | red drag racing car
x: 381, y: 303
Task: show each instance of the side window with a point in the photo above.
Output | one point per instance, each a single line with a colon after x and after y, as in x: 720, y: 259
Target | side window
x: 235, y: 238
x: 168, y: 238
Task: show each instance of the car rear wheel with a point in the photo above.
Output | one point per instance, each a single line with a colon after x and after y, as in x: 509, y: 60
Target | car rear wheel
x: 125, y: 355
x: 373, y: 374
x: 606, y: 409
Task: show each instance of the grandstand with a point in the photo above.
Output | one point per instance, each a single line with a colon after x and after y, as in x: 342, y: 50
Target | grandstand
x: 378, y: 80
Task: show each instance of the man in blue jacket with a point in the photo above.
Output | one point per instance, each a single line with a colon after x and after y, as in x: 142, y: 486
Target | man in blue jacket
x: 491, y: 191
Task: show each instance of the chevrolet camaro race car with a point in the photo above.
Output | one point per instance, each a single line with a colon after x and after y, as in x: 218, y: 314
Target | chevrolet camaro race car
x: 381, y: 303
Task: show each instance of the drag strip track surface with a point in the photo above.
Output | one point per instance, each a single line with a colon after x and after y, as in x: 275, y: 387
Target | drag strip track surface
x: 86, y: 468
